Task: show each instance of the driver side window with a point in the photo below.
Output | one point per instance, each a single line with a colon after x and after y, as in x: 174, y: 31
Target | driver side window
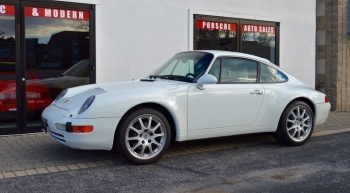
x: 215, y: 69
x: 234, y: 70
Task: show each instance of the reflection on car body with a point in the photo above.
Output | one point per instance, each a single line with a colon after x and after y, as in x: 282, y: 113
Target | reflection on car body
x: 194, y: 95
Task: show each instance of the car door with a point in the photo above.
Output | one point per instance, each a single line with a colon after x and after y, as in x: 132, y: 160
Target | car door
x: 234, y: 101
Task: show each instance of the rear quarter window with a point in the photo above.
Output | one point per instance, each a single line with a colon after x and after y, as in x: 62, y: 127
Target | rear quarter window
x: 269, y: 74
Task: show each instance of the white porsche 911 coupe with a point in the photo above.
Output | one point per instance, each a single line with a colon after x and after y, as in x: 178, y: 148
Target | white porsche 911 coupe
x: 194, y: 95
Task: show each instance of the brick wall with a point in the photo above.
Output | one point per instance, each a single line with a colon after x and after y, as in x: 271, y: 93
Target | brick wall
x: 333, y: 52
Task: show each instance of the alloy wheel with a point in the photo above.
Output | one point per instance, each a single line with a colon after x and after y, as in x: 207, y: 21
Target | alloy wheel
x: 299, y: 123
x: 145, y: 136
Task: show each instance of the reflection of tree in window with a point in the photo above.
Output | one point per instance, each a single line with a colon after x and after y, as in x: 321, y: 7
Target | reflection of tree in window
x: 204, y: 34
x: 208, y: 39
x: 259, y: 44
x: 82, y: 25
x: 7, y: 53
x: 263, y: 39
x: 1, y: 34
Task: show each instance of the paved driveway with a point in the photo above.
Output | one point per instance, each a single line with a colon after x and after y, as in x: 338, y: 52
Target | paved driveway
x: 31, y: 154
x: 322, y: 165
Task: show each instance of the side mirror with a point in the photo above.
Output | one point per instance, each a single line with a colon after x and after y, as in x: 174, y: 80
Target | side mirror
x: 206, y: 79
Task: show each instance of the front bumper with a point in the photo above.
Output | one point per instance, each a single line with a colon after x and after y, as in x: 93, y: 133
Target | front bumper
x: 101, y: 138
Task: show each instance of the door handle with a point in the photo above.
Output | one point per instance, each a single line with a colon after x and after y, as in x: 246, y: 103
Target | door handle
x: 258, y: 92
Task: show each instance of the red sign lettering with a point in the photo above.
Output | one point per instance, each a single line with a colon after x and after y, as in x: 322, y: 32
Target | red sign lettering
x: 258, y: 29
x: 213, y: 25
x: 56, y: 13
x: 7, y: 9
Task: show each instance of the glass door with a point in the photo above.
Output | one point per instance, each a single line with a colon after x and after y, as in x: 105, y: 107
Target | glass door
x: 45, y: 47
x: 57, y: 54
x: 8, y: 86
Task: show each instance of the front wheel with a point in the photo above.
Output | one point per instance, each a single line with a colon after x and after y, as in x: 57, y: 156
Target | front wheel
x: 296, y: 124
x: 143, y: 136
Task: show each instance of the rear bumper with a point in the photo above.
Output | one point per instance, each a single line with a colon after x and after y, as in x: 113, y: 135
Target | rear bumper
x: 101, y: 138
x: 322, y: 111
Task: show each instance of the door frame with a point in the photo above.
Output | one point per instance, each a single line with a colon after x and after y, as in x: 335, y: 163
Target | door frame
x: 16, y: 129
x: 20, y: 44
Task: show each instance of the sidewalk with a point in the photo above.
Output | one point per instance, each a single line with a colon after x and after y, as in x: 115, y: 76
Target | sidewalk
x: 29, y: 154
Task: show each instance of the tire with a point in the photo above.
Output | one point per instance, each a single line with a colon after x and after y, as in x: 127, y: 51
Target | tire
x: 141, y: 142
x: 296, y: 124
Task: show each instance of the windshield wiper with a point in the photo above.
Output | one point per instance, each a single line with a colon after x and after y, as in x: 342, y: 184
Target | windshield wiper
x: 154, y: 76
x: 166, y: 76
x: 172, y: 77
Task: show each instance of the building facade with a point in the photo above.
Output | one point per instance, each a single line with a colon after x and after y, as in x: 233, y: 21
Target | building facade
x: 47, y: 46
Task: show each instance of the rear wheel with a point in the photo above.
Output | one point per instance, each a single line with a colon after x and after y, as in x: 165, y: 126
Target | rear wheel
x: 143, y: 136
x: 296, y: 124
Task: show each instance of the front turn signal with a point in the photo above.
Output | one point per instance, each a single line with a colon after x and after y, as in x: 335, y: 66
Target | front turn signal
x: 82, y: 129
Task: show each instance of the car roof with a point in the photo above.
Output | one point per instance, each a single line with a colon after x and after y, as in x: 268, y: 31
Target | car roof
x: 218, y: 53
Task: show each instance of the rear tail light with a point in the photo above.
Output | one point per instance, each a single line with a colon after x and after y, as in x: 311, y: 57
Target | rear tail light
x: 7, y: 96
x: 33, y: 95
x: 29, y: 95
x: 326, y: 99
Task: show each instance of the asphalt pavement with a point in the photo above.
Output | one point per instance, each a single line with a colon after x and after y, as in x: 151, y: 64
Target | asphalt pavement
x: 321, y: 165
x: 37, y: 162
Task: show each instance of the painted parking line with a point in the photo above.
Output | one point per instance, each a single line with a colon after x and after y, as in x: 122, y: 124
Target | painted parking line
x: 175, y: 150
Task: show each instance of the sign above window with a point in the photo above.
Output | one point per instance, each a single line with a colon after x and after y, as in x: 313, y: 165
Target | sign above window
x: 56, y: 13
x: 7, y: 9
x: 213, y: 25
x: 258, y: 29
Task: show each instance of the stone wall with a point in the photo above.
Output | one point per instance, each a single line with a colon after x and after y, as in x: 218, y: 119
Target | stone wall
x: 333, y: 52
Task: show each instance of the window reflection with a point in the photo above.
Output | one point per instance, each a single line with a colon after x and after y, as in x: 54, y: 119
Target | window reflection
x: 7, y: 69
x: 259, y: 41
x: 216, y: 36
x: 57, y: 52
x: 55, y: 47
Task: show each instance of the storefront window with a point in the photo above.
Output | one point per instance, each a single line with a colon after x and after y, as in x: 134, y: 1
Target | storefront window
x: 45, y: 47
x: 7, y: 67
x: 57, y: 53
x: 212, y: 35
x: 238, y: 35
x: 259, y: 41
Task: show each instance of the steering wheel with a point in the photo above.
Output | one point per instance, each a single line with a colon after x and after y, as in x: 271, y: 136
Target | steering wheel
x: 190, y: 74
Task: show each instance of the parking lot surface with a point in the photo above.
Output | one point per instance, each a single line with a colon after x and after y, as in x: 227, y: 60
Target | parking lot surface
x: 33, y: 154
x: 321, y: 165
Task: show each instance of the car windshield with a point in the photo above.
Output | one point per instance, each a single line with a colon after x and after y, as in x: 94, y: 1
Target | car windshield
x: 80, y: 69
x: 186, y: 67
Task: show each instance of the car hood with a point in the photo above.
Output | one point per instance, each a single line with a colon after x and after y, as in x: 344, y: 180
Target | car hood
x: 76, y: 96
x: 135, y: 84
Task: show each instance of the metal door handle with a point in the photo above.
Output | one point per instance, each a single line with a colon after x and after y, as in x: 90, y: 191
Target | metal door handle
x: 258, y: 92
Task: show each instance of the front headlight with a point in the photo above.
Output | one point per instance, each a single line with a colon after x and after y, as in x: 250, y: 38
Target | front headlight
x: 86, y: 104
x: 61, y: 94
